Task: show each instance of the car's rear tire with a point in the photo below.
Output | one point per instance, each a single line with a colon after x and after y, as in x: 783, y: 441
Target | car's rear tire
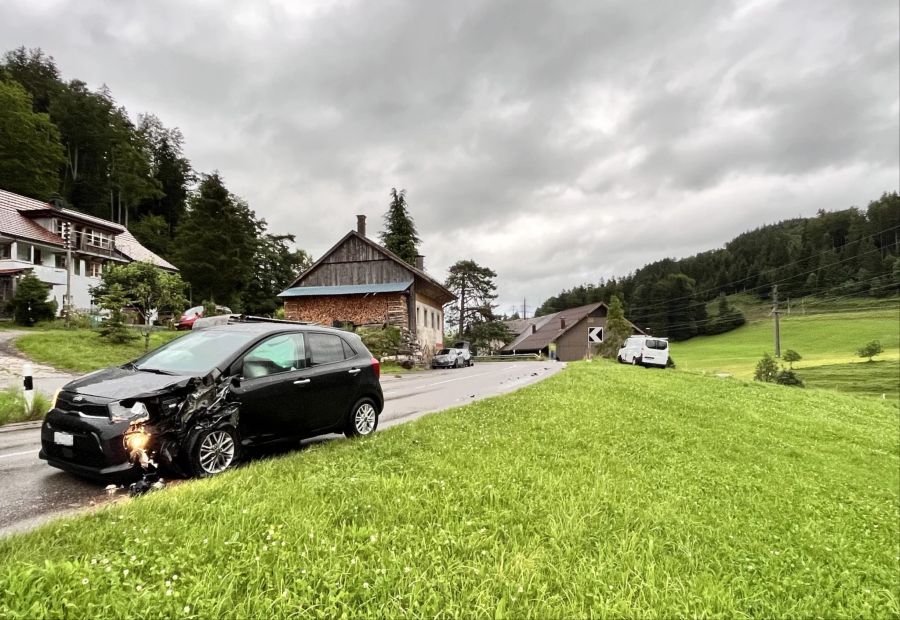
x: 213, y: 451
x: 362, y: 420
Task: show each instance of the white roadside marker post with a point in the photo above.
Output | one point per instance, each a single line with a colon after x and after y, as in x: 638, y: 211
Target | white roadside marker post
x: 28, y: 385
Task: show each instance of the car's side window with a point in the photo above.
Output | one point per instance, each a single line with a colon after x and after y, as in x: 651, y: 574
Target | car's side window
x: 348, y: 350
x: 325, y: 349
x: 275, y: 355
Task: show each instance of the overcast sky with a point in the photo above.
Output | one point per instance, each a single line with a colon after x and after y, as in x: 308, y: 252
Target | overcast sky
x: 556, y: 143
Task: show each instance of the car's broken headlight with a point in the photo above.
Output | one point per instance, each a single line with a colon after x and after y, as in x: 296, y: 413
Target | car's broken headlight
x: 136, y: 412
x: 137, y: 440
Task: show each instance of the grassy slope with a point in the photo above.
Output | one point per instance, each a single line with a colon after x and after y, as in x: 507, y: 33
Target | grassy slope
x: 84, y: 350
x: 604, y: 491
x: 822, y: 339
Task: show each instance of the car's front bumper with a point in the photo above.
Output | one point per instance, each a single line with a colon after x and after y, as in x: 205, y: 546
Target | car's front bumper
x: 119, y: 471
x: 98, y: 446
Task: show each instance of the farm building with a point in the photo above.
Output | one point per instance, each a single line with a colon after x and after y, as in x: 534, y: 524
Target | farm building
x: 570, y: 333
x: 360, y: 282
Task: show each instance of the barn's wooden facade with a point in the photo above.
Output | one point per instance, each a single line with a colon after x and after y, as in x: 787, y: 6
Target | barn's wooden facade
x: 360, y: 282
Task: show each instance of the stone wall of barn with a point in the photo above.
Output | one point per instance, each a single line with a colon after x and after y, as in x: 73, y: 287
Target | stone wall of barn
x: 370, y: 309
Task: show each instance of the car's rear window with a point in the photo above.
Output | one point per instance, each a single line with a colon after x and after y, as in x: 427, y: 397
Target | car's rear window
x: 655, y: 343
x: 325, y: 348
x: 197, y: 353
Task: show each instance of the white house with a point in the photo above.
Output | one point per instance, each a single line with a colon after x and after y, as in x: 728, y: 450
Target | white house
x: 31, y: 241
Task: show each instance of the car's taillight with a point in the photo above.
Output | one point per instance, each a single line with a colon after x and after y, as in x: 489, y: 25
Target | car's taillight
x: 376, y: 367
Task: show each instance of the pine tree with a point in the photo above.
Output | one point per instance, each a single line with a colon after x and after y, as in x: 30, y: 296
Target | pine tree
x: 399, y: 235
x: 617, y: 329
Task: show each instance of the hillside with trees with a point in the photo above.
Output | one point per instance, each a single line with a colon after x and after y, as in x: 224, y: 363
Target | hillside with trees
x: 850, y: 253
x: 61, y: 140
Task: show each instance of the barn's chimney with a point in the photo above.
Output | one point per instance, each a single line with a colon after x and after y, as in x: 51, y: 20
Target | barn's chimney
x: 361, y: 224
x: 562, y: 323
x: 420, y: 262
x: 533, y: 328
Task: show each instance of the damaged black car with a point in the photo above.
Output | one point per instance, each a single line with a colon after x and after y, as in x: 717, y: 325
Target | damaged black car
x: 194, y: 405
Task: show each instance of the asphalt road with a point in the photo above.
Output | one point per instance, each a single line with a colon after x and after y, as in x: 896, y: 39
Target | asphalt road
x: 32, y: 492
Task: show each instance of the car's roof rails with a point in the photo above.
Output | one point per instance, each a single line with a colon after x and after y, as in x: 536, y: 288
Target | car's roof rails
x: 249, y: 318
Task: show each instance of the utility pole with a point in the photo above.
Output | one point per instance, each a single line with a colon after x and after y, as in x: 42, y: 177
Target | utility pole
x: 777, y: 314
x: 524, y: 309
x: 67, y: 238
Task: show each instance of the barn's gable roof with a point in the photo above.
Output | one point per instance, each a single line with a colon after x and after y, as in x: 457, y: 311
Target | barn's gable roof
x: 348, y: 289
x: 549, y: 328
x: 445, y: 296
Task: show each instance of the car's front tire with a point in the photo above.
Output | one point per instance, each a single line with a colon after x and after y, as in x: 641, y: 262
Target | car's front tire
x: 363, y: 419
x: 213, y: 451
x: 635, y: 361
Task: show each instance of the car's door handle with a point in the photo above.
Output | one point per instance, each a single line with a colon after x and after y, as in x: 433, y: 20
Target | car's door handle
x: 301, y: 381
x: 355, y: 371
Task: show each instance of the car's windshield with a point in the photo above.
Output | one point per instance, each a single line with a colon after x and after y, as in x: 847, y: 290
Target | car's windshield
x: 196, y: 353
x: 444, y: 352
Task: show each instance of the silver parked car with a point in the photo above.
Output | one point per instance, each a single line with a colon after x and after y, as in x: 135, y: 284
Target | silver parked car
x: 452, y: 358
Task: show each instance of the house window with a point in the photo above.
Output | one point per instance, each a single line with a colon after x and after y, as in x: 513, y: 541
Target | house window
x: 433, y: 320
x: 38, y: 258
x: 5, y: 250
x: 60, y: 261
x: 96, y: 270
x: 23, y: 252
x: 97, y: 238
x: 76, y: 266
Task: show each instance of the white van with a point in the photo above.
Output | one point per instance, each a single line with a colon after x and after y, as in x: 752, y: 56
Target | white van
x: 645, y: 351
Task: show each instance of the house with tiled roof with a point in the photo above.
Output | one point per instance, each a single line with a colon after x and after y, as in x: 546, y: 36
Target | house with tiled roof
x: 31, y: 242
x: 569, y: 334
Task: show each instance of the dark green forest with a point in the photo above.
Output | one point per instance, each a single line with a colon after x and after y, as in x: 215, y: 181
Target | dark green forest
x: 852, y: 252
x: 60, y: 140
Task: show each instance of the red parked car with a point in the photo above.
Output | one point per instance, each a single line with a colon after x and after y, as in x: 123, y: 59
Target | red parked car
x: 192, y: 314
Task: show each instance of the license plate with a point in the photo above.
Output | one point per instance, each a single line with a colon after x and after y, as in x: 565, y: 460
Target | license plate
x: 63, y: 439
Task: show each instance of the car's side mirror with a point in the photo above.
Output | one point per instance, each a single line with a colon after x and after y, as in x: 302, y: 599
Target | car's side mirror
x: 236, y: 382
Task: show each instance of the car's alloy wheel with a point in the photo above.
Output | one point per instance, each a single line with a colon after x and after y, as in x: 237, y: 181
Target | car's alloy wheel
x: 363, y: 419
x: 216, y: 452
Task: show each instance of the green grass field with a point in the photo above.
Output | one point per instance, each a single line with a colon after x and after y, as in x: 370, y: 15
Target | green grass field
x: 84, y: 350
x: 827, y: 341
x: 605, y: 491
x: 12, y: 406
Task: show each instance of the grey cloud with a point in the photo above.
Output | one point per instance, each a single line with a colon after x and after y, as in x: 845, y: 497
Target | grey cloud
x: 516, y: 126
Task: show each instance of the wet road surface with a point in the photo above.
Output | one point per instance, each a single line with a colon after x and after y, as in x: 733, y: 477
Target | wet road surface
x: 31, y: 492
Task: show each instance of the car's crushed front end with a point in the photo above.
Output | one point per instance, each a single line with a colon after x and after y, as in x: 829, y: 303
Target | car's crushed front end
x: 121, y: 423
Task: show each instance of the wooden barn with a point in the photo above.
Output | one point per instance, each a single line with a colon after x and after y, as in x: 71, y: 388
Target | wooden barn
x: 360, y: 282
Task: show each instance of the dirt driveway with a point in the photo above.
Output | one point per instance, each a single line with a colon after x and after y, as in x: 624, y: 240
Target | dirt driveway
x: 46, y: 378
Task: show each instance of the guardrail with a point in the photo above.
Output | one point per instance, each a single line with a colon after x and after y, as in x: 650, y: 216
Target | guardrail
x: 516, y: 357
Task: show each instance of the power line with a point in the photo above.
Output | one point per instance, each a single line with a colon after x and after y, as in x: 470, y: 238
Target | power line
x: 633, y: 311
